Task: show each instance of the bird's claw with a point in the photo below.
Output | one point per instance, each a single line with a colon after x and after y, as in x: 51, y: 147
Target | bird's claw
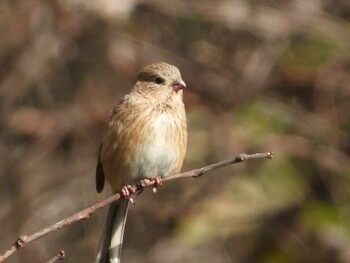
x: 158, y: 182
x: 126, y: 192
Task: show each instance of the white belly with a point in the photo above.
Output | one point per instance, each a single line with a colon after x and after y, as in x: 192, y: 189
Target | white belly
x: 156, y: 156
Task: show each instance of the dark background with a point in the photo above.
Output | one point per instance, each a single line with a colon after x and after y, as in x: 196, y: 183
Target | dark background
x: 261, y: 75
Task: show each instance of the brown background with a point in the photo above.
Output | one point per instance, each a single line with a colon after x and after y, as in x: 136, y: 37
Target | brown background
x: 261, y: 75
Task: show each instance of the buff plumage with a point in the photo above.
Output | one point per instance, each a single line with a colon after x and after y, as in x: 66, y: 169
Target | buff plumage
x: 146, y: 138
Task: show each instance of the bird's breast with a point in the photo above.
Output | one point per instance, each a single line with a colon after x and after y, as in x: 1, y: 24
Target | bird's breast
x: 159, y: 153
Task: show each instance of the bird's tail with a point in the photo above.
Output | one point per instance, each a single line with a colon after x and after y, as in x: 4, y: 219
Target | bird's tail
x: 110, y: 246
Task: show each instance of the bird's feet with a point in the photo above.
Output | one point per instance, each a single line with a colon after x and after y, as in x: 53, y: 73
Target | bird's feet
x: 158, y: 182
x: 126, y: 192
x: 155, y: 183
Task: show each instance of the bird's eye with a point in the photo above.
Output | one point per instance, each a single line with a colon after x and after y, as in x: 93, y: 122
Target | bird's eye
x: 159, y: 80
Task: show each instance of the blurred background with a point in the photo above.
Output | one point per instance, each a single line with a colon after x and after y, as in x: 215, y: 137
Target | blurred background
x: 261, y: 75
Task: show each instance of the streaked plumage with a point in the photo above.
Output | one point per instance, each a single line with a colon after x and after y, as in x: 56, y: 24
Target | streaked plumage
x: 146, y: 137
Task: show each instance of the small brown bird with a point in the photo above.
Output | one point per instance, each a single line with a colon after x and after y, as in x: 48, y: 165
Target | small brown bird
x: 146, y: 138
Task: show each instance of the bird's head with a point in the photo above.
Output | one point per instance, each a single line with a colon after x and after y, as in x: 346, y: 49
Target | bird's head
x: 160, y: 79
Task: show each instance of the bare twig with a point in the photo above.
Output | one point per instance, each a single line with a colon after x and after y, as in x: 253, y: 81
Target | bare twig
x: 238, y: 159
x: 59, y: 256
x: 86, y: 213
x: 83, y: 214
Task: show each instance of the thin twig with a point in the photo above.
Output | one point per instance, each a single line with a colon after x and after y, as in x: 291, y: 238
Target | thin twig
x: 238, y: 159
x: 59, y: 256
x: 86, y: 213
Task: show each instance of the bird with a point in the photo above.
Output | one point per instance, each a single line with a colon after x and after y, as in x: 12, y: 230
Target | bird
x: 146, y: 138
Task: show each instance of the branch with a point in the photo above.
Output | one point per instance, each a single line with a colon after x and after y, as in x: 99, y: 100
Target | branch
x: 238, y: 159
x: 86, y: 213
x: 59, y: 256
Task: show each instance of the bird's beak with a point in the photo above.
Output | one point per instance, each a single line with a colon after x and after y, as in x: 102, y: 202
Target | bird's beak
x: 178, y: 84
